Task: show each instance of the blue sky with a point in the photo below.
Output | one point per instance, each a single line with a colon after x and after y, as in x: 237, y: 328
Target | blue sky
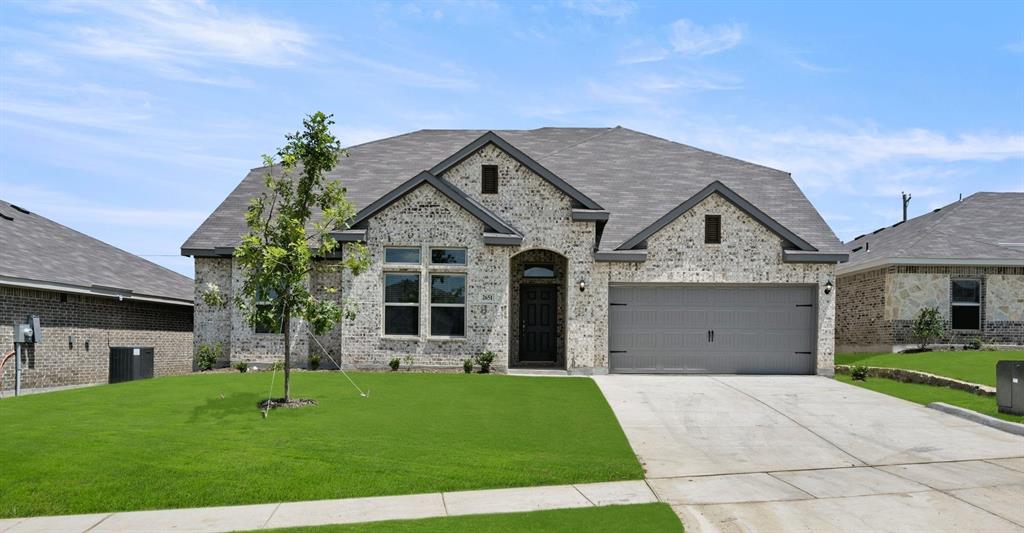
x: 131, y: 121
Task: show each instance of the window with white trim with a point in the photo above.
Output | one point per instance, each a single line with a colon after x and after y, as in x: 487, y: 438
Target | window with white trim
x: 966, y: 304
x: 448, y: 305
x: 402, y: 303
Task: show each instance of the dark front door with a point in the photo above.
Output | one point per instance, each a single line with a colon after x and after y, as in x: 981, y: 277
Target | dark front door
x: 538, y: 309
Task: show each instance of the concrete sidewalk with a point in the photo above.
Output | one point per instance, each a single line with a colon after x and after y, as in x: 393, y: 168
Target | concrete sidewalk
x: 343, y: 511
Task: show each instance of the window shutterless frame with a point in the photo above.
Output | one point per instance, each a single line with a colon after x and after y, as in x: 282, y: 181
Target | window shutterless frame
x: 402, y: 255
x: 965, y: 304
x: 401, y: 298
x: 448, y: 305
x: 448, y: 257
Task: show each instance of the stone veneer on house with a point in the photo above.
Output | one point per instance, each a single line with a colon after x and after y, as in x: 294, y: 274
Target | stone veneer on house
x: 876, y: 308
x: 102, y: 323
x: 749, y: 254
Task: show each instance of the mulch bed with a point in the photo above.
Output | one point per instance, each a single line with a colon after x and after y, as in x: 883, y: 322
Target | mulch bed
x: 276, y: 403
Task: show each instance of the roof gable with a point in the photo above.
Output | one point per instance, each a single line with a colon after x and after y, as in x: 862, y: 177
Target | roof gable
x: 494, y: 225
x: 492, y: 138
x: 727, y: 193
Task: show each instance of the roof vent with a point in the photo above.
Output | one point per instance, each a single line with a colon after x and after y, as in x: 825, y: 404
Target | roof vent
x: 22, y: 209
x: 5, y: 217
x: 936, y: 210
x: 857, y: 249
x: 877, y: 230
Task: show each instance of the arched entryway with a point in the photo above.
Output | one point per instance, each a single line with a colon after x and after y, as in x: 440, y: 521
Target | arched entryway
x: 537, y: 310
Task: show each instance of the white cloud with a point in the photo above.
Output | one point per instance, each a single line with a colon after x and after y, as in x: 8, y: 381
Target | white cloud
x: 602, y: 8
x: 694, y: 40
x: 36, y: 61
x: 180, y: 31
x: 1016, y: 48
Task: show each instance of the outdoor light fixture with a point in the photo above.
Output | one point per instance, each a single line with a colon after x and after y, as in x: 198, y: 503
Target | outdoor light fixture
x: 71, y: 342
x: 583, y: 285
x: 828, y: 287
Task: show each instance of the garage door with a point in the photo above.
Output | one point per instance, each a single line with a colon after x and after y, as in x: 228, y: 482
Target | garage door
x: 711, y: 329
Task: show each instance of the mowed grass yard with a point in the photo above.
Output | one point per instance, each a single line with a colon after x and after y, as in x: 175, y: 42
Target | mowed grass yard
x: 645, y: 518
x: 199, y: 440
x: 974, y: 366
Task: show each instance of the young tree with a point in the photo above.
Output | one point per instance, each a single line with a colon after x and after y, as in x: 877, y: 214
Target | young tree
x: 290, y: 227
x: 927, y: 327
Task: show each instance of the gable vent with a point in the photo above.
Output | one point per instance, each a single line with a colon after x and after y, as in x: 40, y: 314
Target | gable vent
x: 712, y: 229
x: 489, y: 180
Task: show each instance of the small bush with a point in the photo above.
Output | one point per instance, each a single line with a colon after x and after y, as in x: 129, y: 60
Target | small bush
x: 859, y: 373
x: 242, y: 366
x: 394, y: 364
x: 207, y: 356
x: 927, y: 326
x: 485, y: 359
x: 314, y: 361
x: 467, y: 366
x: 278, y: 366
x: 408, y: 362
x: 974, y: 344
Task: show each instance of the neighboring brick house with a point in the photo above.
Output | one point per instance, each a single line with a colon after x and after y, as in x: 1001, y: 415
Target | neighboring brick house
x: 90, y: 297
x: 965, y: 259
x: 571, y: 249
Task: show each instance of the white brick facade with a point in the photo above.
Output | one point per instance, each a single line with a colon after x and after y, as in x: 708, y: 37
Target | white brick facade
x: 425, y: 218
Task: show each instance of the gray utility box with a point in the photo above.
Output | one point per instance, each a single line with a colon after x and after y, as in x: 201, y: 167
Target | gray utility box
x: 1010, y: 387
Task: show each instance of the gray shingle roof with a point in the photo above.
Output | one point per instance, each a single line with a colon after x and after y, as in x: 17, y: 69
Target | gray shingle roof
x: 37, y: 249
x: 983, y: 226
x: 635, y: 176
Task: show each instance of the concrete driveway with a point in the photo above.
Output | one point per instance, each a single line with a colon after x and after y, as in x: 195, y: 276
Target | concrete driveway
x: 807, y: 453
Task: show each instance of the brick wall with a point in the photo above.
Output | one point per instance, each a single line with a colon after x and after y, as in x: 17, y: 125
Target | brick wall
x: 871, y: 319
x: 103, y: 323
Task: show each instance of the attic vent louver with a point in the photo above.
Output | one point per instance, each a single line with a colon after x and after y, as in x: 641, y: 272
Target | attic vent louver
x: 22, y: 209
x: 489, y: 179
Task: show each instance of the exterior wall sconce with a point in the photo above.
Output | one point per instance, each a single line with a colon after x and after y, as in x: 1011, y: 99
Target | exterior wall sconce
x: 87, y: 345
x: 583, y: 285
x: 828, y: 287
x: 71, y: 342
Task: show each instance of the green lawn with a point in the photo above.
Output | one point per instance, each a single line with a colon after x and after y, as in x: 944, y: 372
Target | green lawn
x: 974, y: 366
x: 925, y: 394
x: 199, y: 440
x: 652, y: 517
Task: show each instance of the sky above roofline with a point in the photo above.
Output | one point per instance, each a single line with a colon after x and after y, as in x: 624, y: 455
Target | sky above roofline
x: 131, y: 121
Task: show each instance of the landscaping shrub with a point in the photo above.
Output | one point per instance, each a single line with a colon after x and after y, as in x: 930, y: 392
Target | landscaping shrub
x: 314, y: 361
x: 927, y: 327
x: 408, y: 362
x: 467, y: 366
x: 859, y: 373
x: 242, y: 366
x: 485, y: 359
x: 277, y: 366
x: 394, y: 364
x: 973, y: 344
x: 207, y: 356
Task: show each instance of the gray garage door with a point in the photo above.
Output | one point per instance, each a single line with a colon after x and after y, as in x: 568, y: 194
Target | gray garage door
x: 712, y: 329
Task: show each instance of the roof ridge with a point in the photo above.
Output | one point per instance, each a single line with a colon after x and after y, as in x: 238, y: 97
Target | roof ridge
x: 604, y: 131
x: 707, y: 151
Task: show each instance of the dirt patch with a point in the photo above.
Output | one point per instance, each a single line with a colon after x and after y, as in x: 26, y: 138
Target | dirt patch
x: 276, y: 403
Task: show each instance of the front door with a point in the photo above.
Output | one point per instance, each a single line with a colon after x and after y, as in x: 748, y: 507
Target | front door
x: 538, y: 309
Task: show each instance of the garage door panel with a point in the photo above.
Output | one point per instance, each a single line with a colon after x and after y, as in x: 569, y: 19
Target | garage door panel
x: 759, y: 330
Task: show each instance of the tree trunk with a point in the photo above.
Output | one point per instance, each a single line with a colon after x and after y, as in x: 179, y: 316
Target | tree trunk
x: 286, y: 328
